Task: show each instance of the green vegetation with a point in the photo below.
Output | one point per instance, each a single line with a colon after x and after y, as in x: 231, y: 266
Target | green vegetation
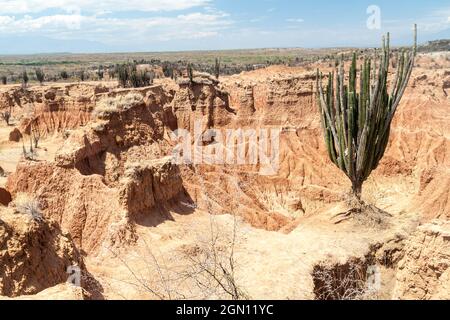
x: 357, y: 113
x: 37, y: 63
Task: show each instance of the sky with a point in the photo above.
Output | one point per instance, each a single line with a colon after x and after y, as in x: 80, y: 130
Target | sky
x: 38, y: 26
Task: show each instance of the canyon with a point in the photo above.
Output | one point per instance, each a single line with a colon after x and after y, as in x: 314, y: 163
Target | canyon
x: 140, y: 225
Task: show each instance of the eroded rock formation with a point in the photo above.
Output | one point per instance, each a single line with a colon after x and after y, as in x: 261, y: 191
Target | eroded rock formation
x: 424, y: 271
x: 34, y: 255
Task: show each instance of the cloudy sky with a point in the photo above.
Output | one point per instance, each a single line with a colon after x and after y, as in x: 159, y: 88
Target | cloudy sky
x: 33, y: 26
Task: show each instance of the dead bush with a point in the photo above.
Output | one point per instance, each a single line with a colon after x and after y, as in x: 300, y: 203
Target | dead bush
x: 28, y: 205
x: 350, y: 281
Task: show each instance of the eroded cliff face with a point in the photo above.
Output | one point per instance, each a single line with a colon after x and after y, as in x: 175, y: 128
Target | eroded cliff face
x: 51, y: 108
x: 103, y: 175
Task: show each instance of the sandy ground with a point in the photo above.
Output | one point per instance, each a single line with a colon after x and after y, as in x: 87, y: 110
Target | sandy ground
x: 269, y: 265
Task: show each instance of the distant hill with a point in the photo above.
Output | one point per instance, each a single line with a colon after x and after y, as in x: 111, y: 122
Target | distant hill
x: 436, y: 45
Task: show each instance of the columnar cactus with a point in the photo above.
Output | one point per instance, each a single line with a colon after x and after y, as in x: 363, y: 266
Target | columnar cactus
x: 357, y: 113
x: 190, y: 73
x: 217, y: 68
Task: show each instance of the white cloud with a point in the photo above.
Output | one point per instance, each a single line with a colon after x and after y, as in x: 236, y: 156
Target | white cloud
x: 435, y: 22
x: 118, y: 30
x: 297, y: 20
x: 9, y: 24
x: 5, y: 20
x: 98, y: 20
x: 36, y: 6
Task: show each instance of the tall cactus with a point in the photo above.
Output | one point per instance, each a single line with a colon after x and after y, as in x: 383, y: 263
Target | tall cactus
x: 217, y: 68
x: 356, y: 123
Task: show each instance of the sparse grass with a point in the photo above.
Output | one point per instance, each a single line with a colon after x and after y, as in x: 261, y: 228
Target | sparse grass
x: 286, y: 202
x: 110, y: 105
x: 28, y: 205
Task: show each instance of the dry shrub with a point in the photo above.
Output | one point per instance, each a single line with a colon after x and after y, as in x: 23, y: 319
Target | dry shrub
x: 283, y: 200
x: 349, y: 281
x: 29, y: 205
x: 110, y: 105
x: 212, y: 263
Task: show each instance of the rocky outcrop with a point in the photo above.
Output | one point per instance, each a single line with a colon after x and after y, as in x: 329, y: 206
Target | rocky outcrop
x: 34, y: 255
x: 82, y: 205
x: 104, y: 174
x: 202, y: 101
x: 15, y: 135
x: 272, y: 100
x: 424, y: 271
x: 52, y: 108
x: 5, y: 197
x: 433, y: 198
x: 148, y: 184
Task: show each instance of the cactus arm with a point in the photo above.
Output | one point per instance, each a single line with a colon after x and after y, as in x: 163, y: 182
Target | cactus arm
x: 327, y: 112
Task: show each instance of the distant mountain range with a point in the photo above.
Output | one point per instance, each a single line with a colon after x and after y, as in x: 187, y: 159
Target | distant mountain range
x: 436, y: 45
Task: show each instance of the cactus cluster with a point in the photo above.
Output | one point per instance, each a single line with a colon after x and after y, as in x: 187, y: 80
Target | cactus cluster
x: 357, y: 112
x: 130, y: 77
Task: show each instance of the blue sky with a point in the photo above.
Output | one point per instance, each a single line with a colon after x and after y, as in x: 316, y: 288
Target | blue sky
x: 33, y: 26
